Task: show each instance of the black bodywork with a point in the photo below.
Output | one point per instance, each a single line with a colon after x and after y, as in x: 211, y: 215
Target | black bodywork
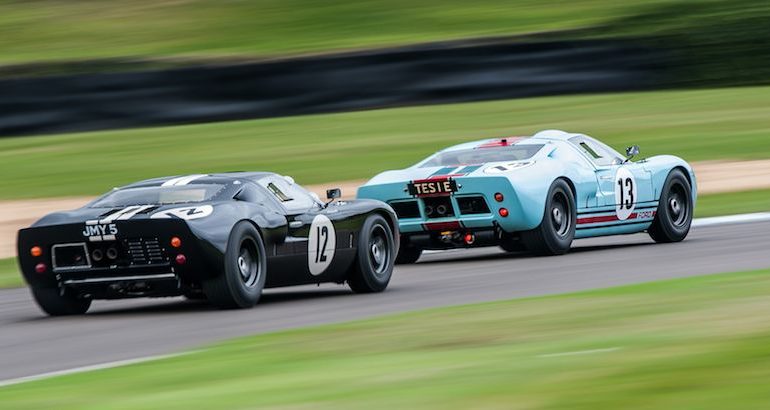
x: 146, y: 264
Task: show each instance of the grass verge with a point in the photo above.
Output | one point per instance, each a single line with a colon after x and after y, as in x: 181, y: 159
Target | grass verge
x: 690, y: 343
x: 55, y: 30
x: 730, y: 123
x: 9, y: 274
x: 731, y: 203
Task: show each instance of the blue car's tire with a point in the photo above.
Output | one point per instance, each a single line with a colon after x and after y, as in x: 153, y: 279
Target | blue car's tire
x: 675, y: 208
x: 242, y: 279
x: 375, y: 257
x: 555, y: 233
x: 408, y: 254
x: 57, y: 303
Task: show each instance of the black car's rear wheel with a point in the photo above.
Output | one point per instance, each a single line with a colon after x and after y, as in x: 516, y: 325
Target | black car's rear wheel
x: 674, y: 215
x: 57, y: 303
x: 240, y: 283
x: 557, y: 230
x: 374, y: 262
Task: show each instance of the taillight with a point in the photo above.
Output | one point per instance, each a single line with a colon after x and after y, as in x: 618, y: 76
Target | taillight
x: 181, y: 259
x: 499, y: 197
x: 41, y: 268
x: 176, y: 242
x: 503, y: 212
x: 36, y: 251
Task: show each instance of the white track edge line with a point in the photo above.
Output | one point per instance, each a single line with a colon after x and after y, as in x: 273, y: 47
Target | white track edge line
x: 696, y: 223
x: 83, y: 369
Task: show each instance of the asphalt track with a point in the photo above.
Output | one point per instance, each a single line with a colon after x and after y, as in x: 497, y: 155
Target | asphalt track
x: 31, y: 343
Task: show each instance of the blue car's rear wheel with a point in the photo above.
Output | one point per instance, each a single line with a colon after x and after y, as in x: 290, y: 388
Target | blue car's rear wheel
x: 557, y: 230
x: 407, y: 253
x: 674, y: 215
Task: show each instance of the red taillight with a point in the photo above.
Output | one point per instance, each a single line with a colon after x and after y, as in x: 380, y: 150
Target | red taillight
x: 499, y: 197
x: 36, y: 251
x: 176, y: 242
x: 41, y: 268
x: 470, y: 238
x: 181, y: 259
x: 503, y: 212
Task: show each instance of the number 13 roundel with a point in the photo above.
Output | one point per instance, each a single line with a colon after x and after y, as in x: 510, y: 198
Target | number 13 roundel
x: 322, y: 242
x: 625, y: 193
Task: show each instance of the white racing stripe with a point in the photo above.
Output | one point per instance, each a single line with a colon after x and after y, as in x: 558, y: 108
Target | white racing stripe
x: 102, y: 366
x: 183, y: 180
x: 130, y: 214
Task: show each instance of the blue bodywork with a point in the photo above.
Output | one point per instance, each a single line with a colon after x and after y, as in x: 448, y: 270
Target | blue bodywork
x: 524, y: 186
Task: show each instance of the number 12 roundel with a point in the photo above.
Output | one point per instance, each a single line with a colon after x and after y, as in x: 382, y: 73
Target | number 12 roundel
x: 625, y: 193
x: 322, y: 242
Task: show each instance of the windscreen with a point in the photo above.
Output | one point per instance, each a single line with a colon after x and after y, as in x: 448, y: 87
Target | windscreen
x: 159, y: 195
x: 475, y: 156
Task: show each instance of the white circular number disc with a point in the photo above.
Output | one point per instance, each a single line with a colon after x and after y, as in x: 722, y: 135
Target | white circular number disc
x: 625, y: 193
x: 321, y: 244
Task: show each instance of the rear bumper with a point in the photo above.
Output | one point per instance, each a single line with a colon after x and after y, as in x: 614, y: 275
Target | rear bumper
x: 523, y: 212
x: 146, y: 264
x: 120, y: 287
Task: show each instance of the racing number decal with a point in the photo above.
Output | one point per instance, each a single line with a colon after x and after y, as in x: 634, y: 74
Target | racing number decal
x: 322, y: 242
x: 626, y: 201
x: 625, y: 193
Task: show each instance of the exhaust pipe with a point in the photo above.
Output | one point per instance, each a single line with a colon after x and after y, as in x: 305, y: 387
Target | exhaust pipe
x: 97, y: 255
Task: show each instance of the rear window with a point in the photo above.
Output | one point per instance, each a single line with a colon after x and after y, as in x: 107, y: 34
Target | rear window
x: 159, y: 195
x: 483, y: 155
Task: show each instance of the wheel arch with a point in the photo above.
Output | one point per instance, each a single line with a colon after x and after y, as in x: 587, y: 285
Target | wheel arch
x: 392, y: 221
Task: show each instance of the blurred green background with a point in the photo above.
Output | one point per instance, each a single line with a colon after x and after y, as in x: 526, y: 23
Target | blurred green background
x: 697, y: 343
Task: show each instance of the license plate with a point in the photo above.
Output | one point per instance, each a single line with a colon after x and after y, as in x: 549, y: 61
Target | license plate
x: 427, y: 188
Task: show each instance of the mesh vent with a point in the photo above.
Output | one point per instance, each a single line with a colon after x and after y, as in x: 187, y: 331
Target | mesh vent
x: 145, y: 251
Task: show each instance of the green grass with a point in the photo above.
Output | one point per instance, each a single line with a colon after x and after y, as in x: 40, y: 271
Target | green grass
x: 9, y: 274
x: 730, y: 203
x: 693, y: 343
x: 731, y: 123
x: 71, y: 30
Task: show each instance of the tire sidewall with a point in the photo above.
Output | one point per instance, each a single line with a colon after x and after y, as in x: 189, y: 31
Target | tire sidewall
x: 243, y: 295
x: 365, y: 267
x: 559, y: 244
x: 666, y: 223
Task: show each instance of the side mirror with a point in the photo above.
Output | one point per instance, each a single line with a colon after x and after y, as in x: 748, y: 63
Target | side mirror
x: 631, y: 152
x: 333, y: 193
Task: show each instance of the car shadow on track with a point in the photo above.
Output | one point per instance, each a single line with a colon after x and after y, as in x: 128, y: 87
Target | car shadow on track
x: 183, y: 306
x: 472, y: 256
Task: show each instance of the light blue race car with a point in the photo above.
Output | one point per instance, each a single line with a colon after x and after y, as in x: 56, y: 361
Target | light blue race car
x: 536, y: 193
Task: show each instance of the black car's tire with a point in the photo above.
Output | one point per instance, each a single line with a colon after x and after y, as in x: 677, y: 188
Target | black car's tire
x: 55, y: 303
x: 675, y: 208
x: 555, y: 233
x: 242, y: 279
x: 408, y: 254
x: 376, y: 255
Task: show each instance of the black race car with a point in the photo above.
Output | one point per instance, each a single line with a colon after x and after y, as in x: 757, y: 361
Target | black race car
x: 222, y: 237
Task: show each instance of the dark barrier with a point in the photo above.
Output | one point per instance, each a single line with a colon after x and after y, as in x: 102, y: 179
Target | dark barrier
x: 430, y: 74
